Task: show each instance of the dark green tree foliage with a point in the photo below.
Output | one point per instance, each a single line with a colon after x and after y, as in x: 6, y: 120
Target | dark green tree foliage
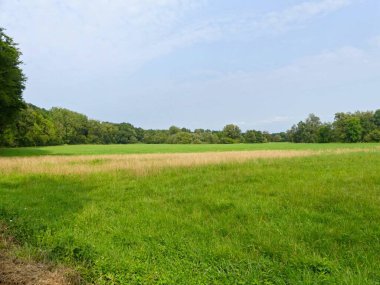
x: 347, y: 127
x: 71, y: 125
x: 12, y: 81
x: 34, y: 126
x: 252, y: 136
x: 155, y: 136
x: 181, y: 138
x: 205, y: 136
x: 174, y: 130
x: 95, y: 132
x: 306, y: 132
x: 325, y: 133
x: 373, y: 136
x: 231, y: 134
x: 126, y: 133
x: 376, y: 118
x: 108, y: 133
x: 367, y: 122
x: 280, y: 137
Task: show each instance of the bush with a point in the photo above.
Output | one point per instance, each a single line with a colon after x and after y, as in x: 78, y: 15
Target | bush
x: 373, y: 136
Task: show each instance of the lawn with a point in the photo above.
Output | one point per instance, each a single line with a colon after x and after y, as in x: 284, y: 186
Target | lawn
x: 296, y: 220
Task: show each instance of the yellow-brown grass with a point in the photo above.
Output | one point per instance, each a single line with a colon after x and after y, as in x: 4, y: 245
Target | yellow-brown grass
x: 14, y: 271
x: 142, y: 163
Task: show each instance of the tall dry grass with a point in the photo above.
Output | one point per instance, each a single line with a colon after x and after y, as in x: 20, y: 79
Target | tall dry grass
x: 142, y: 163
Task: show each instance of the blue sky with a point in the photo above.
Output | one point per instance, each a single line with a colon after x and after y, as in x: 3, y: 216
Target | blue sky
x: 199, y: 63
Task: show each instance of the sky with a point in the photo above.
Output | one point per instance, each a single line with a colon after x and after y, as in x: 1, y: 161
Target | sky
x: 262, y: 65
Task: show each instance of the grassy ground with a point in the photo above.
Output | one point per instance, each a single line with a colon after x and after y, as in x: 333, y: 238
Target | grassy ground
x: 300, y: 220
x: 167, y: 148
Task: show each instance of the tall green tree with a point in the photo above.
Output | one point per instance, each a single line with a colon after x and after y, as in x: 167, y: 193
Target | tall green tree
x: 306, y: 132
x: 173, y: 130
x: 126, y: 134
x: 367, y: 122
x: 232, y: 131
x: 12, y: 81
x: 348, y: 127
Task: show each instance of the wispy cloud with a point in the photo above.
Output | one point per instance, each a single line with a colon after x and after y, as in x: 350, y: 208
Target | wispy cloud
x: 287, y: 18
x: 127, y: 34
x: 229, y: 26
x: 275, y: 119
x: 81, y: 31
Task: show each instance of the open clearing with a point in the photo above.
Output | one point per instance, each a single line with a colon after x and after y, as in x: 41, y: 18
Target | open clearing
x: 170, y: 148
x: 284, y: 214
x: 146, y: 163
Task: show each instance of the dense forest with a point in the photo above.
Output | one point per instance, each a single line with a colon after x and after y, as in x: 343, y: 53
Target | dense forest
x: 39, y: 127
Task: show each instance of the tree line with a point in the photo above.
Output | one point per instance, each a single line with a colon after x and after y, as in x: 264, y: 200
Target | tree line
x: 347, y: 127
x: 36, y: 126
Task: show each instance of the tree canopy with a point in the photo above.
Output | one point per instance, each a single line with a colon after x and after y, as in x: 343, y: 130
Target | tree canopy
x: 12, y: 80
x: 347, y: 127
x: 35, y: 126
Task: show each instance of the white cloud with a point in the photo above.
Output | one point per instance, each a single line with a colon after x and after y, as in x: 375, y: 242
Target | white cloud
x: 89, y: 35
x: 228, y: 27
x: 275, y: 119
x: 97, y: 35
x: 282, y: 20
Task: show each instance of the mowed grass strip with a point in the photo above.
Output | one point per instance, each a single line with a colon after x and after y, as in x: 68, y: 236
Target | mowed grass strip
x: 170, y: 148
x: 299, y: 220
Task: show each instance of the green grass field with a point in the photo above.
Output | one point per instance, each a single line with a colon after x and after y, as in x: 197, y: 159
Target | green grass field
x: 300, y: 220
x: 167, y: 148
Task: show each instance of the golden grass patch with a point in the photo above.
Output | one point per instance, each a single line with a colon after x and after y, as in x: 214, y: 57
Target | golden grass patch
x: 143, y: 163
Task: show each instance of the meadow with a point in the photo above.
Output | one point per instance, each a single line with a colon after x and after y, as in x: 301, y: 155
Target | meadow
x: 88, y: 149
x: 197, y: 214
